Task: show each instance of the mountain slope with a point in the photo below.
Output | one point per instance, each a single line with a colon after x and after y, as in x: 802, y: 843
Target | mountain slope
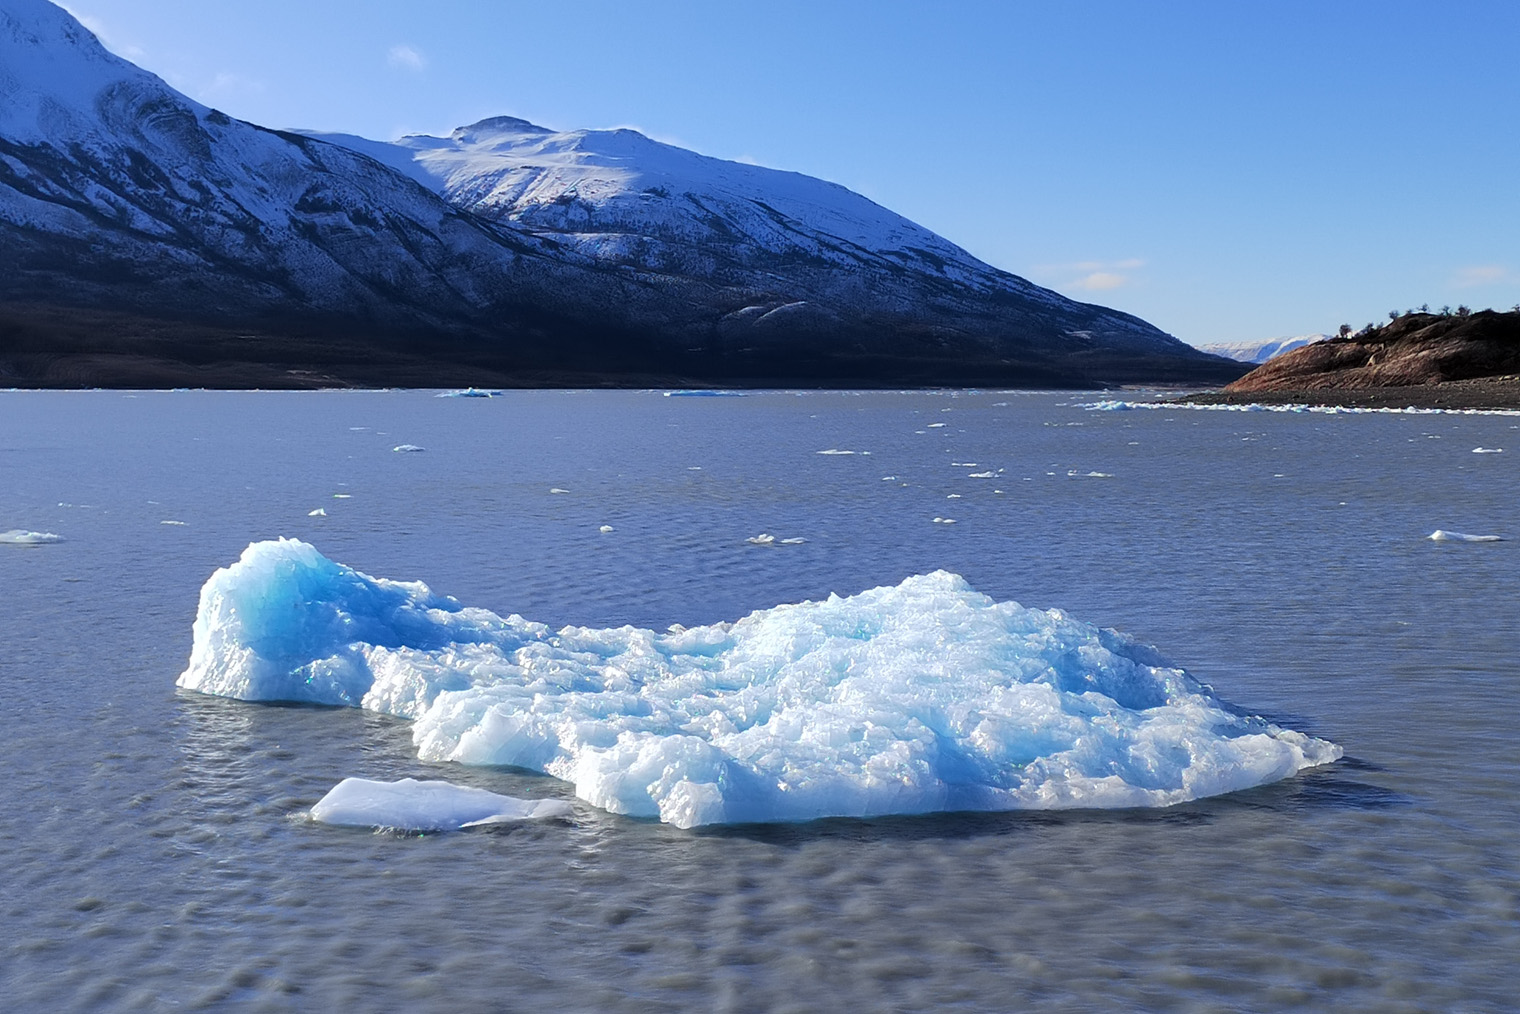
x: 532, y: 256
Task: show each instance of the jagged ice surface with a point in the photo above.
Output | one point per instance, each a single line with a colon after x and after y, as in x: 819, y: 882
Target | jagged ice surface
x: 922, y: 697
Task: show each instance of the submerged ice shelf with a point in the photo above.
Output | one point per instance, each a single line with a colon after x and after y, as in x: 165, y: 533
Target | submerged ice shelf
x: 927, y: 696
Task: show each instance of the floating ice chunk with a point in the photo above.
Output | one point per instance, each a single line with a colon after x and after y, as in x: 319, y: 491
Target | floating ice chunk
x: 343, y: 496
x: 793, y: 542
x: 410, y: 805
x: 1488, y: 450
x: 763, y: 539
x: 605, y: 529
x: 952, y: 496
x: 889, y: 478
x: 1442, y: 536
x: 835, y: 450
x: 925, y: 696
x: 704, y: 394
x: 408, y: 448
x: 1089, y: 475
x: 556, y: 489
x: 935, y: 426
x: 174, y: 522
x: 320, y: 512
x: 22, y: 537
x: 944, y: 521
x: 980, y: 475
x: 469, y: 392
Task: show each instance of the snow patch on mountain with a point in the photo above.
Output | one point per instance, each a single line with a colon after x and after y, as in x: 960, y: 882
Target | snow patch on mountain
x: 1260, y: 351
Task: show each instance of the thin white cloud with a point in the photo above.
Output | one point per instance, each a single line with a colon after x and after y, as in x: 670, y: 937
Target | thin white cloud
x: 404, y: 57
x: 1100, y: 281
x: 1090, y: 276
x: 1483, y: 274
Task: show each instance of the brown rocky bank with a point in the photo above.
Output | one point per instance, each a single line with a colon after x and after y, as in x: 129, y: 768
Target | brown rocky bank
x: 1421, y: 359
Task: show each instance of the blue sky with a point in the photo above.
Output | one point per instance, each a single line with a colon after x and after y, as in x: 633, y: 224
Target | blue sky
x: 1227, y: 170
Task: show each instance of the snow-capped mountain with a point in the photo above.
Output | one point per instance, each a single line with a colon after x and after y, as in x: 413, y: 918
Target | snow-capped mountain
x: 1259, y: 352
x: 506, y: 245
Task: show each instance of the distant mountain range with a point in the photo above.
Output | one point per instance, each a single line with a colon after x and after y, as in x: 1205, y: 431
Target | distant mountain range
x: 1258, y: 352
x: 147, y: 239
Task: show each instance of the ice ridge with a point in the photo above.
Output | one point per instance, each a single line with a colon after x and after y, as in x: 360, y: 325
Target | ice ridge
x: 920, y: 697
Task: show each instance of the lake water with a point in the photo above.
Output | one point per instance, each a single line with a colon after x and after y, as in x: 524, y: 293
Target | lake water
x: 157, y: 855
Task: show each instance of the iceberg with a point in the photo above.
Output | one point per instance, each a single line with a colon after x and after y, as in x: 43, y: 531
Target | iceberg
x: 410, y: 805
x: 22, y: 537
x: 921, y: 697
x: 1443, y: 536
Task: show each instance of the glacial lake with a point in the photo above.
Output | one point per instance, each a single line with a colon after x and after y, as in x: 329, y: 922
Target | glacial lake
x: 157, y: 850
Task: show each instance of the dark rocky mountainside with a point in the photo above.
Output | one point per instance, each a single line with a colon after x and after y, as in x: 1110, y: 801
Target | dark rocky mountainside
x: 148, y: 240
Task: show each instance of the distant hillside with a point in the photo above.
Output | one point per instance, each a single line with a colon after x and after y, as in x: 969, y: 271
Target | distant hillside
x: 1259, y: 352
x: 1419, y: 358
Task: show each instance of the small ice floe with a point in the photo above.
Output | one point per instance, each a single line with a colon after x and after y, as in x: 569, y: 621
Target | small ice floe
x: 944, y: 521
x: 703, y: 393
x: 318, y: 513
x: 952, y: 496
x: 181, y: 523
x: 605, y: 529
x: 935, y: 426
x: 979, y: 475
x: 889, y: 478
x: 1443, y: 536
x: 410, y: 805
x: 357, y: 429
x: 835, y: 450
x: 556, y: 489
x: 1089, y: 475
x: 1488, y: 450
x: 964, y: 464
x: 408, y: 448
x: 343, y: 496
x: 22, y: 537
x: 793, y: 542
x: 469, y: 392
x: 763, y: 539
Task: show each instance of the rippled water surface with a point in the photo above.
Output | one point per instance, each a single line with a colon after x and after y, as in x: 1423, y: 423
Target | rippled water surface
x: 156, y: 850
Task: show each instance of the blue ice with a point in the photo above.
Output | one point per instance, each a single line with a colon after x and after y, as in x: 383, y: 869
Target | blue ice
x: 920, y: 697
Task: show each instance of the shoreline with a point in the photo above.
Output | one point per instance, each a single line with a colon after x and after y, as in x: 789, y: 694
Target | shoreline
x: 1484, y: 393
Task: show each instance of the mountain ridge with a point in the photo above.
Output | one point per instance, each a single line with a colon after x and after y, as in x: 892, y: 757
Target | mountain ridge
x: 120, y: 196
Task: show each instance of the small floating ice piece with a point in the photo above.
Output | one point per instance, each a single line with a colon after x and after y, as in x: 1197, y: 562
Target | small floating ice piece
x: 173, y: 522
x: 792, y: 542
x: 1089, y: 475
x: 980, y: 475
x: 469, y: 392
x: 318, y: 513
x: 763, y: 539
x: 556, y: 489
x: 408, y: 448
x: 944, y: 521
x: 1443, y: 536
x: 835, y: 450
x: 1488, y: 450
x: 952, y: 496
x: 605, y: 529
x: 343, y: 496
x: 410, y: 805
x: 22, y: 537
x: 934, y: 426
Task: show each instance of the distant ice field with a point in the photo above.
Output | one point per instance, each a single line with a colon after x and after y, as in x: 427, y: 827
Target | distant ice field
x: 161, y: 851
